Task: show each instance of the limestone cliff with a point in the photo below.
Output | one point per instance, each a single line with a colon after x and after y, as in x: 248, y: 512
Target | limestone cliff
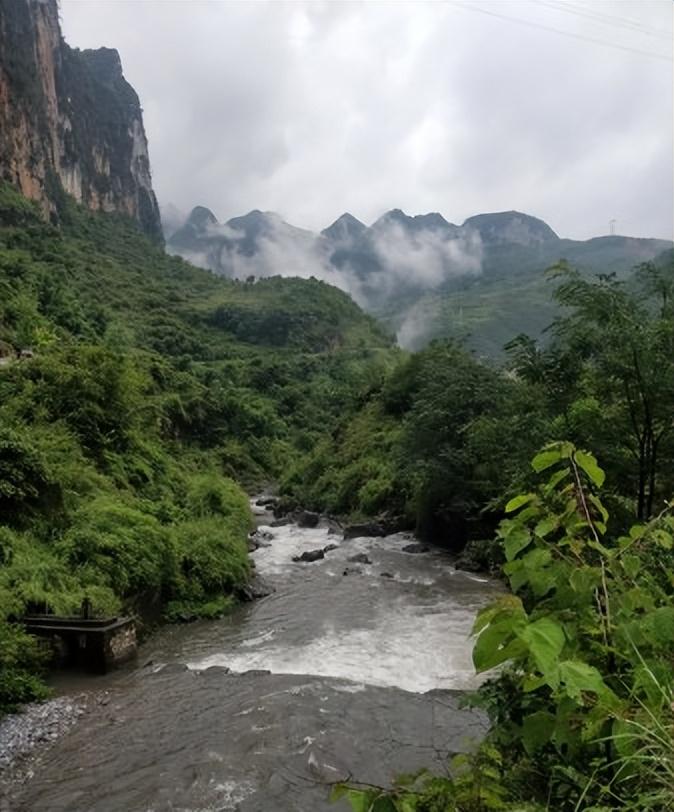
x: 69, y: 121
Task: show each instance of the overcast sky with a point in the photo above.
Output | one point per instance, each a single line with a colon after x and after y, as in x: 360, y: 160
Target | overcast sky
x: 313, y: 109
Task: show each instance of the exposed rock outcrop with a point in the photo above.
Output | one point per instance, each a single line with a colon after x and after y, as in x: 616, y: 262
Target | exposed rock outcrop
x: 255, y: 589
x: 308, y: 556
x: 359, y: 558
x: 367, y: 530
x: 69, y: 121
x: 415, y: 548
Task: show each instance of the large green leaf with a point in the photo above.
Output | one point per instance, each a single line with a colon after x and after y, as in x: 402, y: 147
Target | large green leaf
x: 506, y: 605
x: 545, y: 459
x: 545, y: 640
x: 662, y: 621
x: 588, y: 463
x: 537, y: 730
x: 515, y: 540
x: 578, y: 677
x: 498, y: 643
x: 517, y: 501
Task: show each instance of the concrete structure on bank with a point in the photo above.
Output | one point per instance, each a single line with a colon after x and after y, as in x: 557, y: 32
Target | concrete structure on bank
x: 95, y: 644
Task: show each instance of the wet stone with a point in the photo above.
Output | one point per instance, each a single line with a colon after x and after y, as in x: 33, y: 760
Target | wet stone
x: 308, y: 556
x: 359, y: 558
x: 415, y: 548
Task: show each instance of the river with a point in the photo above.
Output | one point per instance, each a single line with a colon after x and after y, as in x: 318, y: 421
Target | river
x: 365, y: 669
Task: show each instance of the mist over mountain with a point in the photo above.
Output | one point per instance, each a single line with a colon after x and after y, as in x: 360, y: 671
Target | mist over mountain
x: 482, y: 281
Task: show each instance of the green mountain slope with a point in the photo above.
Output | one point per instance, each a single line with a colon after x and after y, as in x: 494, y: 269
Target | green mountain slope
x: 424, y: 277
x: 512, y: 294
x: 137, y: 395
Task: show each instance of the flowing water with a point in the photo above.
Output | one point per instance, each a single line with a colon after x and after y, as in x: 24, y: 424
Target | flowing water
x: 364, y: 666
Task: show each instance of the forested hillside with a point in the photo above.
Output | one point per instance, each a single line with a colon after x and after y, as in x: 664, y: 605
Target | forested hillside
x: 137, y: 396
x: 480, y: 283
x: 579, y: 651
x: 446, y: 437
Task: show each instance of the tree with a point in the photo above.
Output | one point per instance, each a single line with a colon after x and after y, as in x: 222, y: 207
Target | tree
x: 609, y: 374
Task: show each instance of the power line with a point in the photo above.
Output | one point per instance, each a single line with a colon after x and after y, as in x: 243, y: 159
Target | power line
x: 554, y: 30
x: 616, y: 17
x: 604, y: 19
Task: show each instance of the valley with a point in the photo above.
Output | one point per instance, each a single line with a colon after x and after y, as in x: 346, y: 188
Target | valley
x: 389, y: 505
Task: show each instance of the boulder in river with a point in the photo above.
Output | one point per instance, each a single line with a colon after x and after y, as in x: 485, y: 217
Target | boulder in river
x: 333, y: 525
x: 359, y: 558
x: 309, y: 556
x: 214, y: 671
x: 255, y: 589
x: 386, y: 575
x: 366, y: 530
x: 307, y: 518
x: 260, y: 538
x: 353, y: 571
x: 172, y: 668
x: 281, y: 522
x: 415, y: 548
x: 330, y: 547
x: 266, y: 501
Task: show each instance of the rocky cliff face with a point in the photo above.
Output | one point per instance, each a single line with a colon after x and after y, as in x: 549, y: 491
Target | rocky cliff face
x: 69, y: 121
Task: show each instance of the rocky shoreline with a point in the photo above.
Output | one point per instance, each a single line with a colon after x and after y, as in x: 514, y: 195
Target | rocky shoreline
x: 28, y: 735
x: 249, y: 741
x: 482, y: 557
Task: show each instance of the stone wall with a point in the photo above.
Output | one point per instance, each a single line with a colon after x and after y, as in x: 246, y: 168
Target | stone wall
x: 120, y: 645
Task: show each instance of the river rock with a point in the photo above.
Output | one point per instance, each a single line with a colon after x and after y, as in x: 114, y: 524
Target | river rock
x: 386, y: 575
x: 172, y: 668
x: 260, y: 538
x: 353, y: 571
x: 255, y: 589
x: 266, y: 501
x: 214, y: 671
x: 307, y: 518
x: 359, y: 558
x: 281, y: 522
x: 367, y: 530
x: 330, y: 547
x: 309, y: 555
x: 415, y: 548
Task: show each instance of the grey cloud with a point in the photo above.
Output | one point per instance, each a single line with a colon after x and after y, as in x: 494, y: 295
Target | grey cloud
x: 311, y: 109
x: 374, y: 265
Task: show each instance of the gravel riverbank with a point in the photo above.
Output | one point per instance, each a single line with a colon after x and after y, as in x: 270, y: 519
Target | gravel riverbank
x: 25, y: 737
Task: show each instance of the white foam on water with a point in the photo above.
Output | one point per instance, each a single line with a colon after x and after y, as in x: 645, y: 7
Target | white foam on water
x: 406, y: 649
x: 231, y: 793
x: 413, y: 633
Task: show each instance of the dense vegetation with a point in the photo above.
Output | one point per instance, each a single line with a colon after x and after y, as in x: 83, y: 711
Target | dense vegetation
x: 581, y: 704
x: 444, y: 439
x: 486, y: 310
x: 581, y: 709
x: 137, y: 396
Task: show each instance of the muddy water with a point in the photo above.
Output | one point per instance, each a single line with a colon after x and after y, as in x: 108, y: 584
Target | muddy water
x: 364, y: 669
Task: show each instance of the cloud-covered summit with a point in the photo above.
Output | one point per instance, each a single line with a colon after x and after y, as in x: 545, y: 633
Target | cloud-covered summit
x: 396, y: 254
x: 314, y: 108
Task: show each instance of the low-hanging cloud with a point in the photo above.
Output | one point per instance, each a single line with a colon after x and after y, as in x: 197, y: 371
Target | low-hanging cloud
x: 387, y: 260
x: 314, y: 108
x: 426, y: 259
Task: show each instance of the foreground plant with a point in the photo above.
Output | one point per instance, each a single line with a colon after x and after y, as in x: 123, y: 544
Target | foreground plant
x: 581, y: 707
